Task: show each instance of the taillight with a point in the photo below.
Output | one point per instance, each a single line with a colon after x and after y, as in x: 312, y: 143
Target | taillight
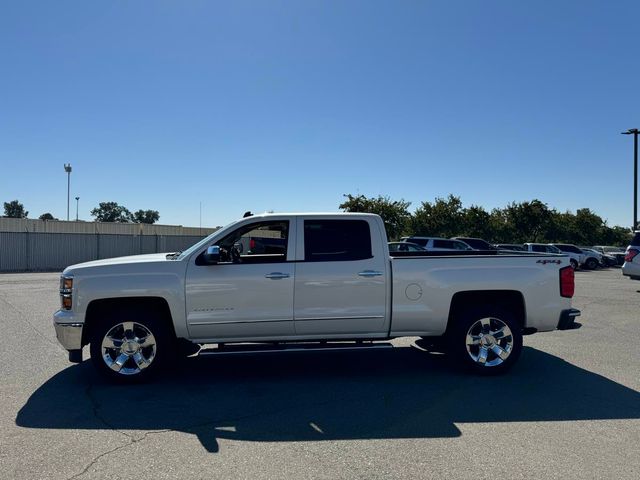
x: 567, y: 282
x: 631, y: 254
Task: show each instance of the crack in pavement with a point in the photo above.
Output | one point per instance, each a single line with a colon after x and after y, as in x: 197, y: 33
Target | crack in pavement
x: 131, y: 438
x: 21, y: 316
x: 187, y: 429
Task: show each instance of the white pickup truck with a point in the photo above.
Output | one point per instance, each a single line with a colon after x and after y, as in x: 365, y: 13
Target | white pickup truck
x: 333, y: 285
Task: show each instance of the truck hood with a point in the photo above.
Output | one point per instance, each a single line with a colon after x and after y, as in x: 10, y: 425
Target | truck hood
x: 153, y: 257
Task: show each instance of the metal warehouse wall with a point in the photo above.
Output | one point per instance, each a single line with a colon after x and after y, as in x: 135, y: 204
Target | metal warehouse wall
x: 36, y: 251
x: 60, y: 226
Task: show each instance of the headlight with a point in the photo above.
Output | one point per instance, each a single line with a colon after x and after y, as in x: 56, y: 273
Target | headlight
x: 66, y: 292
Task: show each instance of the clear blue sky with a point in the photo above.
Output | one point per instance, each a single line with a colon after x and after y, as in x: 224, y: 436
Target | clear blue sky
x: 288, y: 105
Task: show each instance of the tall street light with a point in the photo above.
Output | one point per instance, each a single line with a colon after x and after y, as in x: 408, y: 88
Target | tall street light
x: 77, y: 203
x: 67, y: 168
x: 634, y: 132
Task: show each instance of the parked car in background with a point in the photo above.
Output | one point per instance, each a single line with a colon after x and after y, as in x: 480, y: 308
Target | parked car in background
x: 617, y: 252
x: 590, y: 262
x: 574, y: 258
x: 604, y: 260
x: 437, y: 244
x: 405, y: 247
x: 631, y: 267
x: 476, y: 243
x: 514, y: 247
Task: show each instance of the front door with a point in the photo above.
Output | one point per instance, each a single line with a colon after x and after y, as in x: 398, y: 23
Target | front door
x: 249, y: 294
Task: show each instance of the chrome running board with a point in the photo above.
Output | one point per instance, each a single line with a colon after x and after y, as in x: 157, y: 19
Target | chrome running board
x: 252, y: 348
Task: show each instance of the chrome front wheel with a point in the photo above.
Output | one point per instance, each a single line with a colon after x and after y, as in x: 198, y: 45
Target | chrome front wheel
x: 128, y: 348
x: 132, y: 345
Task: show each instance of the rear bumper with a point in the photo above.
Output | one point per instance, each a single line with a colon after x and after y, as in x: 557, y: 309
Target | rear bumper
x: 632, y: 270
x: 567, y: 319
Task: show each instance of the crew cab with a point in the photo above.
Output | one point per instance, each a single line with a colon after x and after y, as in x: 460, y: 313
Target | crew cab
x: 334, y: 285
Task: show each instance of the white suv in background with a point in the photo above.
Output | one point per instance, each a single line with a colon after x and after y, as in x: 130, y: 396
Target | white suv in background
x: 437, y: 244
x: 587, y: 259
x: 631, y: 267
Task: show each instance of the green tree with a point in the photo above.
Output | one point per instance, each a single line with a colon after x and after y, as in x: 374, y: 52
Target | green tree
x: 588, y: 227
x: 15, y: 209
x: 47, y: 216
x: 530, y: 221
x: 394, y: 213
x: 146, y: 216
x: 443, y: 218
x: 618, y: 236
x: 111, y: 212
x: 476, y: 222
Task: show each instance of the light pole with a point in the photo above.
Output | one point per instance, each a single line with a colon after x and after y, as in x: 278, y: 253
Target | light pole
x: 77, y: 203
x: 634, y: 132
x: 67, y: 168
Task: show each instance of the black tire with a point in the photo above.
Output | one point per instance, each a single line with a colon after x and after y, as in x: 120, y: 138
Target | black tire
x: 146, y: 355
x: 591, y: 263
x: 574, y: 264
x: 483, y: 326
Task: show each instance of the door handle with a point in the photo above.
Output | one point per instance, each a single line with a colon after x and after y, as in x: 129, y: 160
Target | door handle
x: 370, y: 273
x: 276, y: 275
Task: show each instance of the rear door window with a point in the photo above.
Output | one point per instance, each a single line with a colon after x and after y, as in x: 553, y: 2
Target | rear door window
x: 336, y: 240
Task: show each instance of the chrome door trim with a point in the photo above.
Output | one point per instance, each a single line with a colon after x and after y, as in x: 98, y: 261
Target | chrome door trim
x: 361, y: 317
x: 227, y: 322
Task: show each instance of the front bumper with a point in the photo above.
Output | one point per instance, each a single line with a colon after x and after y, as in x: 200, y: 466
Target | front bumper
x: 568, y: 319
x: 69, y: 335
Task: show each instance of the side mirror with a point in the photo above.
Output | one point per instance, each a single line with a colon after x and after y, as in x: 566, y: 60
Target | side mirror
x: 212, y: 255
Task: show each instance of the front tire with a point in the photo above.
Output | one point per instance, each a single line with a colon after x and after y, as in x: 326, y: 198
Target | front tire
x: 130, y: 347
x: 486, y: 342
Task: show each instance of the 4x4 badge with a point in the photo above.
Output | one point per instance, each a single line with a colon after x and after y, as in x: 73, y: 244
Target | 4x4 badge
x: 544, y: 262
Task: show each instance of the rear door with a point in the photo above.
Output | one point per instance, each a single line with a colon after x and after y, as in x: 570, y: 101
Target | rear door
x: 341, y: 278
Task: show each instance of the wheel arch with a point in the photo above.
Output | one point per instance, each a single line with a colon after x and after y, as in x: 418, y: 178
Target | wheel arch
x: 510, y: 300
x: 101, y: 308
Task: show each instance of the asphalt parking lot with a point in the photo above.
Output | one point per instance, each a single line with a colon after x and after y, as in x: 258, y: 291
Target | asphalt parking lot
x: 569, y: 409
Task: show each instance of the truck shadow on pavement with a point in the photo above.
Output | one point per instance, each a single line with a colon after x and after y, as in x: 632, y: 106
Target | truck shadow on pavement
x: 400, y: 393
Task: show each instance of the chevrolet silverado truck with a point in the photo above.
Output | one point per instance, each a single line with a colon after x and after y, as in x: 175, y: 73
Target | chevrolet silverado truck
x: 334, y: 285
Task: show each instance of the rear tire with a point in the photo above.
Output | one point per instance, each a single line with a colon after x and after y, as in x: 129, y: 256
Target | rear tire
x: 486, y: 341
x: 591, y: 263
x: 130, y: 346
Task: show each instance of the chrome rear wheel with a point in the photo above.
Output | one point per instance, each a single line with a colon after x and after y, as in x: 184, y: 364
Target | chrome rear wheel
x: 486, y: 340
x: 489, y: 342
